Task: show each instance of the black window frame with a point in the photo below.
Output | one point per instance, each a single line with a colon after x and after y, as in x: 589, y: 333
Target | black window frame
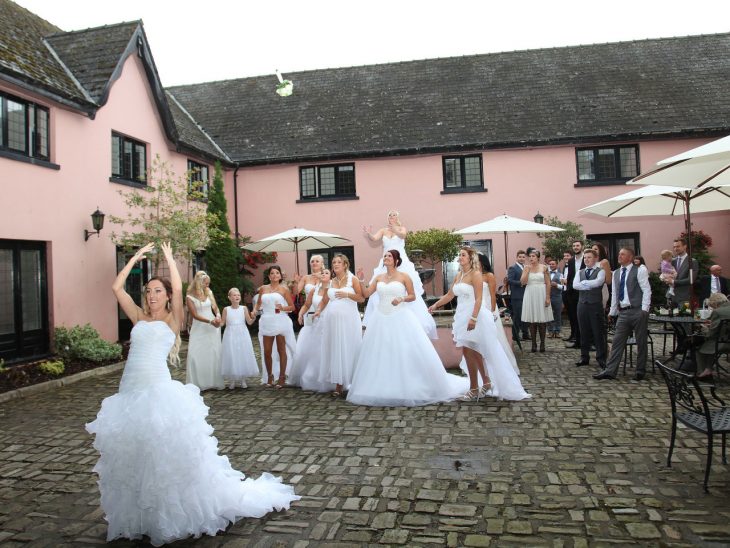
x: 31, y: 134
x: 601, y: 181
x: 462, y: 166
x: 317, y: 196
x: 328, y: 253
x: 198, y: 172
x: 138, y: 175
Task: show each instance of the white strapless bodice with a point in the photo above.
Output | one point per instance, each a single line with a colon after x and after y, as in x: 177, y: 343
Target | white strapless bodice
x: 387, y: 291
x: 396, y: 242
x: 147, y: 360
x: 464, y: 291
x: 308, y: 288
x: 269, y: 301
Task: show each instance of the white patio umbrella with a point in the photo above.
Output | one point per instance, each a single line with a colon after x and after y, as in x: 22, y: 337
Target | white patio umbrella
x: 506, y: 225
x: 296, y: 239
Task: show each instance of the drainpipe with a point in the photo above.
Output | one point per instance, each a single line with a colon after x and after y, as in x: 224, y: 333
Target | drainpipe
x: 235, y: 201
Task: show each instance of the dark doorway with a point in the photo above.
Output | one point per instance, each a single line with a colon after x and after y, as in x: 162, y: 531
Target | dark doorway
x: 134, y: 284
x: 24, y: 331
x: 614, y: 243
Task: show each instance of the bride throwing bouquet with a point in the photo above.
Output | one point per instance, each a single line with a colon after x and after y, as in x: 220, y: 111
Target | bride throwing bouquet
x: 393, y: 237
x: 398, y: 365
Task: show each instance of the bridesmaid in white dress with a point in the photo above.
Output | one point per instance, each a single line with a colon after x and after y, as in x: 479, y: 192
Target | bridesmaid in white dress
x: 307, y: 283
x: 203, y: 367
x: 398, y: 364
x: 393, y: 236
x: 341, y: 326
x: 308, y: 351
x: 536, y: 309
x: 275, y: 302
x: 238, y: 360
x: 489, y: 303
x: 160, y: 474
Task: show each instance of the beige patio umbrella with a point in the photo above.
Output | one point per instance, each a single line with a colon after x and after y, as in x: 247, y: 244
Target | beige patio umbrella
x: 506, y: 224
x: 295, y: 239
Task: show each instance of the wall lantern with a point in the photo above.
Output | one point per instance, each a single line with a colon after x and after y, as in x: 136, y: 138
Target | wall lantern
x: 538, y: 218
x: 97, y: 221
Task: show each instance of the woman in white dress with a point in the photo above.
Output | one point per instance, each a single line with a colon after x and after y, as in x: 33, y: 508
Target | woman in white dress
x: 275, y: 302
x: 398, y: 364
x: 393, y: 236
x: 203, y: 368
x: 489, y: 304
x: 160, y: 474
x: 308, y: 350
x: 307, y: 283
x: 341, y: 326
x: 536, y: 309
x: 238, y: 360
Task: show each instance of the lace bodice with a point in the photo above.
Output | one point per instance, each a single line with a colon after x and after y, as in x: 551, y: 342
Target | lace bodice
x: 536, y: 278
x: 387, y: 291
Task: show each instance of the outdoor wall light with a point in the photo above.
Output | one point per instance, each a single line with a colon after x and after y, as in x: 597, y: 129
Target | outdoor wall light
x: 538, y: 218
x: 97, y: 221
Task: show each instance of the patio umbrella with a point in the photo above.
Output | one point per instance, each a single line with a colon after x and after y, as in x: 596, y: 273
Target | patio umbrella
x: 296, y: 239
x: 506, y: 224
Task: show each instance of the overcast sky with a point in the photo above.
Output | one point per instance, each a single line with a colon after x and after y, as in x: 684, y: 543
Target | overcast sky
x: 204, y: 40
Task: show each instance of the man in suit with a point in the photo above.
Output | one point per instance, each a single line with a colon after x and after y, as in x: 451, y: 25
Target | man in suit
x: 517, y: 291
x: 630, y: 303
x: 706, y: 353
x: 589, y: 284
x: 682, y: 284
x: 556, y: 298
x: 571, y: 295
x: 711, y: 283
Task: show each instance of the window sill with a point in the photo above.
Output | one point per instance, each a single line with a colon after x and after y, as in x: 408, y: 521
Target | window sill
x: 28, y: 159
x: 127, y: 182
x: 612, y: 182
x: 463, y: 190
x: 327, y: 199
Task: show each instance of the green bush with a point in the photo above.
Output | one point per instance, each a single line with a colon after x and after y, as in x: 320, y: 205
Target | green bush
x: 84, y: 343
x: 52, y: 368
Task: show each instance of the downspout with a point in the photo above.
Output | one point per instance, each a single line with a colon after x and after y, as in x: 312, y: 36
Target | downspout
x: 235, y: 201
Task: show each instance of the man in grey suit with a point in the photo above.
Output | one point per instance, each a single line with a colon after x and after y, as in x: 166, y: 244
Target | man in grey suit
x: 517, y: 291
x: 589, y: 284
x: 630, y: 302
x: 682, y: 284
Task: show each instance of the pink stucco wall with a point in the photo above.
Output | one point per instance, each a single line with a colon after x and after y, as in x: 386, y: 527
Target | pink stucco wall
x: 54, y: 206
x: 519, y: 182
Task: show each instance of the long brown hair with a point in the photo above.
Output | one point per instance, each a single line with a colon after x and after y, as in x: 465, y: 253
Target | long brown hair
x: 174, y: 356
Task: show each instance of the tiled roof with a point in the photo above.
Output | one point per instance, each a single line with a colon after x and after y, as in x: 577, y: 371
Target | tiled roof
x: 190, y: 133
x: 658, y: 87
x: 92, y: 55
x: 25, y: 58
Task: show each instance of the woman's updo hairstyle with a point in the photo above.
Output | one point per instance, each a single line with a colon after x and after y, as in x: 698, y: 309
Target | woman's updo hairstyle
x: 396, y: 257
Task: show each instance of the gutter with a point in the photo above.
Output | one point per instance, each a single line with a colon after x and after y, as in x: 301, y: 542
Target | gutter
x: 235, y: 203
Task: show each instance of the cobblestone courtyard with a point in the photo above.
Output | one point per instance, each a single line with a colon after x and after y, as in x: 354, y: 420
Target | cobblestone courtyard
x: 581, y: 464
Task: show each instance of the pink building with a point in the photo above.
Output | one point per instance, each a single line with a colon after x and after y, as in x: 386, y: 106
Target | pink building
x: 447, y: 142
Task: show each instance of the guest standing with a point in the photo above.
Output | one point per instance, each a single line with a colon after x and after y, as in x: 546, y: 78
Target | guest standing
x: 712, y: 283
x: 341, y: 326
x: 536, y: 309
x: 238, y: 360
x: 571, y: 295
x: 589, y: 283
x: 203, y: 367
x: 275, y: 302
x: 556, y: 298
x: 517, y: 292
x: 602, y: 262
x: 160, y: 474
x: 685, y: 277
x: 630, y: 303
x: 706, y: 353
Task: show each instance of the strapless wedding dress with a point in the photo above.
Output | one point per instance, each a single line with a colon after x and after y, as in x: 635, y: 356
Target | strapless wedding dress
x: 398, y: 364
x: 418, y: 307
x: 160, y: 473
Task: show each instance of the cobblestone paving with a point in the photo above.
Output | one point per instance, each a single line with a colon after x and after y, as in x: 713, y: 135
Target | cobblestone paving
x: 581, y: 464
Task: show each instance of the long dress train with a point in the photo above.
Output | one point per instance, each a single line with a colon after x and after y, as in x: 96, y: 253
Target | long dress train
x: 159, y: 470
x: 398, y: 364
x: 419, y: 308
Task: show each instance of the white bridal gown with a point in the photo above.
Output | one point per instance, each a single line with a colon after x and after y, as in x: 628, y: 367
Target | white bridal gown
x: 398, y: 364
x: 160, y: 473
x: 506, y: 384
x: 419, y: 308
x: 203, y: 368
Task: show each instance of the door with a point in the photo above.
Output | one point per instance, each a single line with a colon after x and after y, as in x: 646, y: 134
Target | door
x: 134, y: 285
x: 24, y: 331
